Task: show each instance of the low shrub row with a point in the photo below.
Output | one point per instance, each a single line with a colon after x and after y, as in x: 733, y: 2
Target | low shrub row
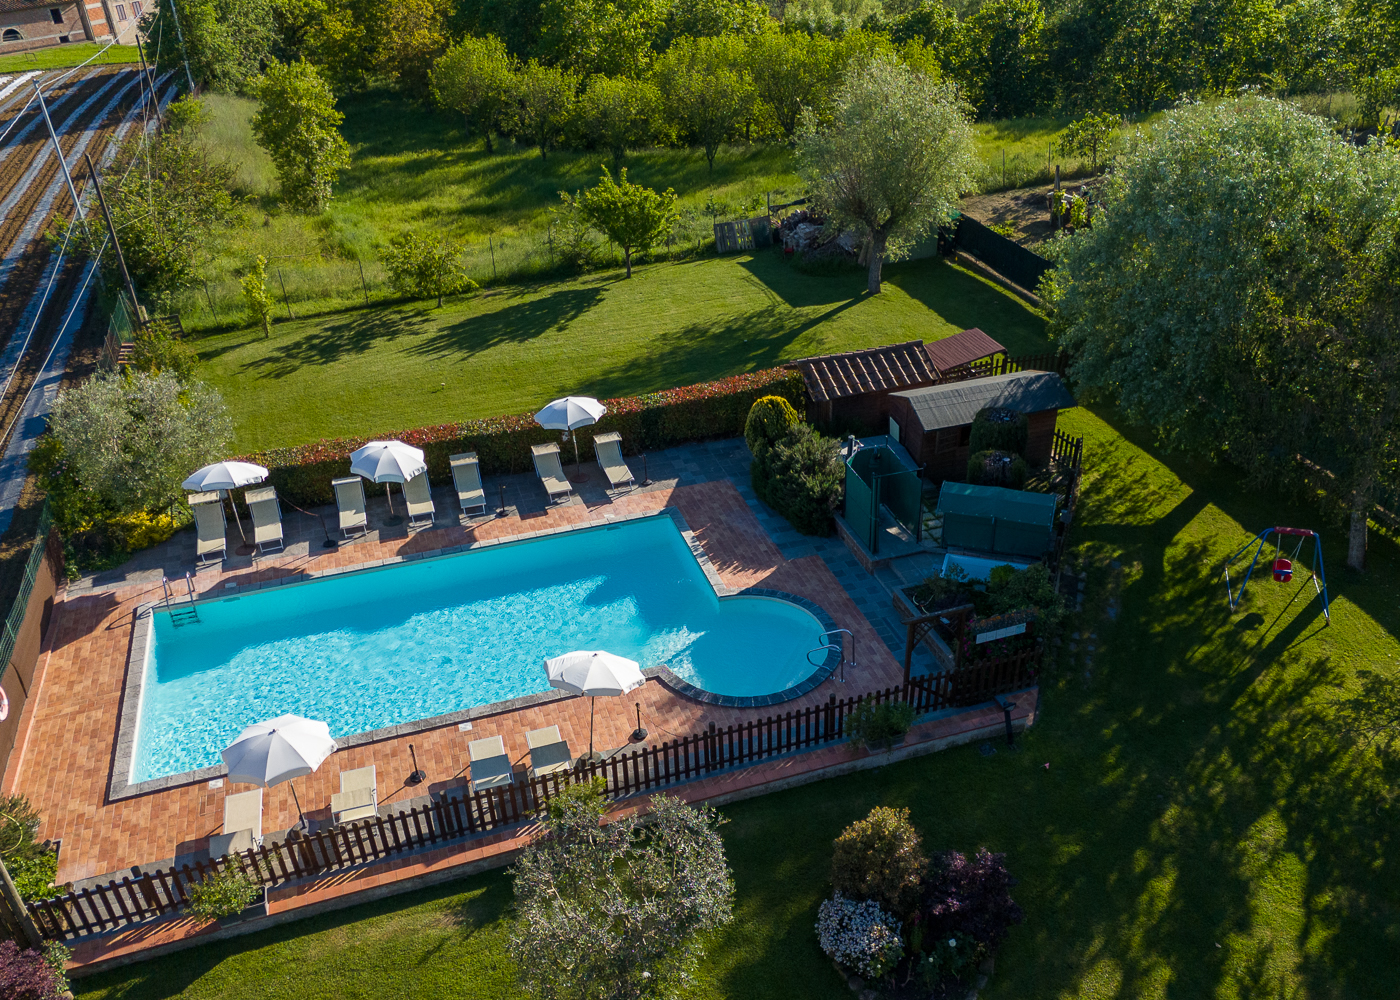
x: 303, y: 474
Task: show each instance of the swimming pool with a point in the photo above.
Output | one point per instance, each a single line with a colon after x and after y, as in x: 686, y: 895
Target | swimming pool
x: 417, y: 640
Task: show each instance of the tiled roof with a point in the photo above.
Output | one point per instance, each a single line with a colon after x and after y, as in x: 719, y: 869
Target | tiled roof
x: 837, y: 376
x: 14, y: 6
x: 956, y: 404
x: 961, y: 349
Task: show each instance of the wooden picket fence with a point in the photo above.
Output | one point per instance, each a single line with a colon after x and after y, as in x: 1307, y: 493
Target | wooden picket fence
x: 459, y: 815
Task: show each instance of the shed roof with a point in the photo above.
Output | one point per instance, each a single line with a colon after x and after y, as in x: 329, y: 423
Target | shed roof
x: 878, y: 369
x: 962, y: 349
x: 957, y: 404
x: 15, y: 6
x: 975, y: 500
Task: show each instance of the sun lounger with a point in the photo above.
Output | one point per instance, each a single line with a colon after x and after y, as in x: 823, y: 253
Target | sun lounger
x: 242, y: 824
x: 548, y: 751
x: 608, y: 448
x: 466, y: 475
x: 419, y: 498
x: 267, y: 518
x: 210, y: 526
x: 358, y: 797
x: 350, y: 500
x: 491, y: 767
x: 551, y: 473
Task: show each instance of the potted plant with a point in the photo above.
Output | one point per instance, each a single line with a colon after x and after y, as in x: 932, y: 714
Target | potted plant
x: 879, y: 727
x: 228, y: 897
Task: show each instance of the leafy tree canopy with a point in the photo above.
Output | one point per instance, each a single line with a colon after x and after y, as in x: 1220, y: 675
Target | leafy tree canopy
x: 299, y: 126
x: 634, y: 217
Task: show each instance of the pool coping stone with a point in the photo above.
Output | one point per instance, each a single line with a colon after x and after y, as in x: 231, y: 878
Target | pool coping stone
x: 120, y: 786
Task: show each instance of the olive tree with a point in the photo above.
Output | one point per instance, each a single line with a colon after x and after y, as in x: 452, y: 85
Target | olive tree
x: 298, y: 125
x: 634, y: 217
x: 1236, y: 295
x: 474, y: 79
x: 134, y: 438
x: 897, y: 155
x: 617, y: 912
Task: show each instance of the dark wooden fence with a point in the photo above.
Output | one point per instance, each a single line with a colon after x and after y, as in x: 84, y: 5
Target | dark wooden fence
x: 1005, y: 256
x: 459, y: 814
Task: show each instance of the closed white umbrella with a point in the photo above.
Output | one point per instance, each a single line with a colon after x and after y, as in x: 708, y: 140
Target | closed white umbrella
x: 269, y: 753
x: 226, y: 476
x: 388, y: 462
x: 593, y: 673
x: 569, y: 414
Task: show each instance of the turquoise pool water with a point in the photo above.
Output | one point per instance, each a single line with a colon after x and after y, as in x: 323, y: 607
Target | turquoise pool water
x: 415, y: 640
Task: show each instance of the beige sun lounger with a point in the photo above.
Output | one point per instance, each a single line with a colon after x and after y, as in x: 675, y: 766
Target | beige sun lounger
x: 548, y: 751
x: 210, y: 526
x: 358, y: 797
x: 267, y: 518
x: 551, y: 473
x: 491, y: 767
x: 418, y: 495
x: 243, y: 813
x: 608, y: 448
x: 350, y: 500
x: 466, y: 476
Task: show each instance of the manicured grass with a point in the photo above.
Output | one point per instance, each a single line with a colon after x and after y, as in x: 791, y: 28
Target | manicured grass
x: 514, y: 349
x: 56, y: 56
x: 1209, y: 825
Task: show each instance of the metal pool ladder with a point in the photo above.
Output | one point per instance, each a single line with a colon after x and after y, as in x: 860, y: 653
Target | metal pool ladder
x: 839, y: 646
x: 189, y: 612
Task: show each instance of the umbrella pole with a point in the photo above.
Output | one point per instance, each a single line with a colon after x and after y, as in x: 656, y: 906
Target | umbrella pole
x: 301, y: 816
x: 389, y: 496
x: 237, y: 520
x: 578, y: 466
x: 592, y: 701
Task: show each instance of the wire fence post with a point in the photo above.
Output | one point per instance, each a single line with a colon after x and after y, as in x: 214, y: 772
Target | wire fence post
x: 491, y: 244
x: 363, y: 287
x: 285, y: 301
x: 212, y: 310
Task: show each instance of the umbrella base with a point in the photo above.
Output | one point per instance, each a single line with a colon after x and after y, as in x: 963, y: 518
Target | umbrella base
x: 589, y: 758
x: 638, y: 735
x: 392, y: 522
x: 416, y: 778
x: 245, y: 550
x: 581, y: 477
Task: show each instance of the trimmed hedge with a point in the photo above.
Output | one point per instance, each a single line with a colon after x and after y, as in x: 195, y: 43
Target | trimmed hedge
x: 998, y: 429
x: 998, y: 468
x: 303, y: 474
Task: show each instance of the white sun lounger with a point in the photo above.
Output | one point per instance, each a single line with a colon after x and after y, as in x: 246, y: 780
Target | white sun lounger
x: 210, y: 526
x: 358, y: 797
x: 350, y: 500
x: 608, y: 448
x: 549, y: 752
x: 491, y: 767
x: 466, y: 476
x: 267, y: 518
x: 418, y: 495
x: 243, y: 812
x: 551, y: 473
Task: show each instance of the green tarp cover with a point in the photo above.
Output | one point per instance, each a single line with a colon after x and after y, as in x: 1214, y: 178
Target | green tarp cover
x: 994, y: 519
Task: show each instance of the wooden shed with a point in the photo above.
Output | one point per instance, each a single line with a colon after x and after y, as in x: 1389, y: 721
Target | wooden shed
x: 935, y: 423
x: 952, y: 354
x: 854, y: 387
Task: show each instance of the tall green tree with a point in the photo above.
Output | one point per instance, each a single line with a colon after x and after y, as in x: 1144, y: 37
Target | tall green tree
x: 256, y: 296
x: 1089, y: 136
x: 618, y: 114
x: 1006, y: 59
x: 430, y: 266
x: 542, y: 103
x: 707, y: 98
x: 225, y: 42
x: 634, y: 217
x: 790, y: 71
x: 600, y: 36
x: 1237, y: 311
x: 898, y: 154
x: 299, y: 126
x: 475, y: 78
x: 707, y: 18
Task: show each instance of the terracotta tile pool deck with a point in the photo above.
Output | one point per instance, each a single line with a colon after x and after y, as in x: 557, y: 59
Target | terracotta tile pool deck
x: 66, y: 748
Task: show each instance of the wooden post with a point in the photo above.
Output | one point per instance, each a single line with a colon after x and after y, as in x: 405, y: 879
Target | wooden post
x: 285, y: 301
x: 18, y: 910
x: 363, y: 287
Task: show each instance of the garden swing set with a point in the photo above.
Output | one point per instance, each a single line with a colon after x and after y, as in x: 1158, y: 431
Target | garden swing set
x: 1282, y: 563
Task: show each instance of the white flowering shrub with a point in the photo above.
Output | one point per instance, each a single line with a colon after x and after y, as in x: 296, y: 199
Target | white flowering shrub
x: 860, y: 936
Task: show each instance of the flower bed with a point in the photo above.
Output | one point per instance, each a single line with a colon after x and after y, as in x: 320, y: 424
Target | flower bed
x: 303, y: 474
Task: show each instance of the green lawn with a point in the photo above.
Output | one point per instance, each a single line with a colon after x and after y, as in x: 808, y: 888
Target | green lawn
x: 1208, y: 826
x: 57, y: 56
x: 515, y: 348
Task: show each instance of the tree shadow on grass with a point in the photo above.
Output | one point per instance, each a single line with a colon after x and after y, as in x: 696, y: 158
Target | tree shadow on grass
x: 529, y: 317
x: 358, y: 333
x: 965, y: 301
x: 801, y: 290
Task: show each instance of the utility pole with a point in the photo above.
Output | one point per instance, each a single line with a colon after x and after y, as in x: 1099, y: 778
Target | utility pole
x: 184, y: 52
x: 112, y: 232
x: 148, y: 77
x: 62, y: 163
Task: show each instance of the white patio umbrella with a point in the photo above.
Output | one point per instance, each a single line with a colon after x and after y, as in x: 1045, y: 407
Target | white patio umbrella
x: 226, y: 476
x: 387, y: 462
x: 269, y: 753
x: 569, y: 414
x: 595, y: 673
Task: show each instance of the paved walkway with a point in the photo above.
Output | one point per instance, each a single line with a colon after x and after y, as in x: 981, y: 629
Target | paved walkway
x: 67, y: 739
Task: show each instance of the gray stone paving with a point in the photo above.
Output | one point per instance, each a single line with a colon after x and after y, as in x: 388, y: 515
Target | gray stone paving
x: 681, y: 466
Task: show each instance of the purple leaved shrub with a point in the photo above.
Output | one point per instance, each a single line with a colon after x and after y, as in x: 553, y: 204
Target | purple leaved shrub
x: 969, y: 897
x: 25, y: 975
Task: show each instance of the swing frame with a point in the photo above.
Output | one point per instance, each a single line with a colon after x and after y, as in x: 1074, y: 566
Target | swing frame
x: 1260, y: 542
